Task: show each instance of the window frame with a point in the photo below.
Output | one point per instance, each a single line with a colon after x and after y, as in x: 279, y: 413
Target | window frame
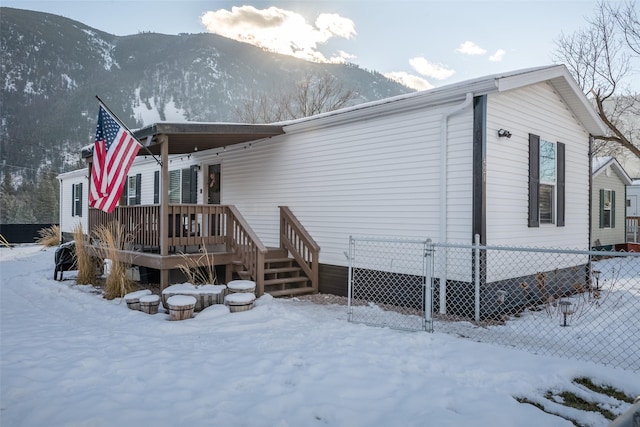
x: 131, y: 193
x: 557, y: 199
x: 548, y: 179
x: 611, y: 209
x: 76, y: 199
x: 183, y: 185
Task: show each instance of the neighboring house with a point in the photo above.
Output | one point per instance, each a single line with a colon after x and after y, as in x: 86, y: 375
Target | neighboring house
x: 505, y: 157
x: 633, y: 211
x: 633, y: 198
x: 608, y: 199
x: 74, y: 202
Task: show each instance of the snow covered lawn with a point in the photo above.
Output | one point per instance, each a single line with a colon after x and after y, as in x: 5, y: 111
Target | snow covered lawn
x: 71, y: 358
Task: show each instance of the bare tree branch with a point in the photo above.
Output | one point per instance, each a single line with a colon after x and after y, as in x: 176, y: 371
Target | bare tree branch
x: 599, y: 58
x: 313, y: 94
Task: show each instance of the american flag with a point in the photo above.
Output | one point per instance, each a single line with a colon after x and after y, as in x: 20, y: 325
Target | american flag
x: 113, y: 152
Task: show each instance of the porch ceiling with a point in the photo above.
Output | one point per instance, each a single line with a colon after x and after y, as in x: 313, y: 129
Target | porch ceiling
x: 186, y: 138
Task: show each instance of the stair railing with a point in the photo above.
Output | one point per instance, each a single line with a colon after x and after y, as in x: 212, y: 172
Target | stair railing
x: 246, y: 244
x: 295, y: 239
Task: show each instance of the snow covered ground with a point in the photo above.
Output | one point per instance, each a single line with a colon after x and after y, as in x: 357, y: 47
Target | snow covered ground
x: 71, y: 358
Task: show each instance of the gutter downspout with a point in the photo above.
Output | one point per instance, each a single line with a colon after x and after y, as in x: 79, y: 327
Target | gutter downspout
x: 60, y: 199
x: 444, y: 143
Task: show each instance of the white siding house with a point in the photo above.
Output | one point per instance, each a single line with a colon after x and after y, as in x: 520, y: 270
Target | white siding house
x: 445, y: 164
x: 633, y: 198
x: 608, y: 200
x: 74, y: 202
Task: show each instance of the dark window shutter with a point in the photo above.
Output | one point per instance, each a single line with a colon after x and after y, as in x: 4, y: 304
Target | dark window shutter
x: 138, y: 187
x: 156, y: 187
x: 79, y: 205
x: 601, y: 208
x: 186, y: 186
x: 560, y: 184
x: 124, y: 197
x: 73, y: 200
x: 193, y: 187
x: 534, y: 180
x: 613, y: 209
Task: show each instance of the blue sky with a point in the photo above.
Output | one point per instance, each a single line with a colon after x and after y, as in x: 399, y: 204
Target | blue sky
x: 431, y: 43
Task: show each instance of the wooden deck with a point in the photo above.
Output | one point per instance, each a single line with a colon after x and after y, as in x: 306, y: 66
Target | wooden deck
x: 224, y: 234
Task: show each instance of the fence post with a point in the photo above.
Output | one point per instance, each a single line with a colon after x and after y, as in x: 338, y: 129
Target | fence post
x: 350, y: 278
x: 477, y: 276
x: 428, y: 285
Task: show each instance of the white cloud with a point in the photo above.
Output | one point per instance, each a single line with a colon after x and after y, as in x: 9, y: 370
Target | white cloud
x: 409, y: 80
x: 430, y: 69
x: 470, y: 48
x: 498, y: 56
x: 281, y: 31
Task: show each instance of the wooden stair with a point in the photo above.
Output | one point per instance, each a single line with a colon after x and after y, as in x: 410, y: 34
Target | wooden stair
x: 282, y: 275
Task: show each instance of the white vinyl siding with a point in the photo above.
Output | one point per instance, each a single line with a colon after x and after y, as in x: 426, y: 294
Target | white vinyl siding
x: 68, y: 180
x: 535, y: 109
x: 608, y: 235
x: 376, y: 177
x: 146, y: 168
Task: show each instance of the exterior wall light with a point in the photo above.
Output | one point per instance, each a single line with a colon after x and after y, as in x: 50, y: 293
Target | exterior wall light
x: 503, y: 133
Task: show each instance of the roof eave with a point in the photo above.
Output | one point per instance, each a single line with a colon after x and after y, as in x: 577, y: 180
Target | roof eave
x: 567, y: 88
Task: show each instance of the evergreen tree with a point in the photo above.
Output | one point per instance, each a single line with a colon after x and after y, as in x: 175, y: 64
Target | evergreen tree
x: 46, y: 207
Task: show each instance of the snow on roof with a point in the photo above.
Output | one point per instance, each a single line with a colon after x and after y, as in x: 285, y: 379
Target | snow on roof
x: 557, y: 75
x: 600, y: 164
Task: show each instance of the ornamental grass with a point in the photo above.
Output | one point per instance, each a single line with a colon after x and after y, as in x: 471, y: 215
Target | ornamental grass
x: 113, y: 239
x: 195, y: 272
x: 87, y: 268
x: 49, y: 236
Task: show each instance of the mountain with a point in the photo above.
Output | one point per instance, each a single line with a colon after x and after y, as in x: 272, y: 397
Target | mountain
x: 54, y: 67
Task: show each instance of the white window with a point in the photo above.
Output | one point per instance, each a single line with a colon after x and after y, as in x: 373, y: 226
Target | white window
x: 607, y: 208
x: 183, y: 185
x: 131, y: 193
x: 174, y: 186
x: 547, y: 181
x: 76, y: 200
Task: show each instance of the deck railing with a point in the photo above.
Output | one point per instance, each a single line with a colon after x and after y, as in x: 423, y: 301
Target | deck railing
x: 633, y: 229
x: 189, y: 225
x: 295, y: 238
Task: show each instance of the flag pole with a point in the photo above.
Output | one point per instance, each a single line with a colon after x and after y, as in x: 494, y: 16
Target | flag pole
x: 128, y: 130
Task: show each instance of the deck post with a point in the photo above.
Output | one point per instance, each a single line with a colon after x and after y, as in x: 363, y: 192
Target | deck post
x: 164, y: 207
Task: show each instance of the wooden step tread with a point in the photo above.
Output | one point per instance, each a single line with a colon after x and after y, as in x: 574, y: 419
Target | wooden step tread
x: 274, y: 260
x: 291, y: 292
x: 281, y: 270
x: 285, y: 280
x: 276, y: 253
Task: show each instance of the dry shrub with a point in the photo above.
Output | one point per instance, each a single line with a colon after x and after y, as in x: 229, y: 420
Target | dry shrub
x: 87, y: 268
x: 49, y: 236
x: 112, y: 239
x: 195, y: 272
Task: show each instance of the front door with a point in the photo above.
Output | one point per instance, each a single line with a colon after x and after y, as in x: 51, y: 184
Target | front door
x: 213, y: 184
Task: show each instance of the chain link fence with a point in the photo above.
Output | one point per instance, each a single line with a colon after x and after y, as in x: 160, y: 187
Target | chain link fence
x: 387, y: 283
x: 583, y: 305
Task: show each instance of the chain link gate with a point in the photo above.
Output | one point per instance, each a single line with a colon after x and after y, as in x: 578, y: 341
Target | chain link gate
x: 580, y: 304
x: 387, y: 280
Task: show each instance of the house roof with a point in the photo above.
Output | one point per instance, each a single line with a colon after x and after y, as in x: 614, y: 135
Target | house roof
x: 188, y: 137
x: 557, y: 75
x: 600, y: 164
